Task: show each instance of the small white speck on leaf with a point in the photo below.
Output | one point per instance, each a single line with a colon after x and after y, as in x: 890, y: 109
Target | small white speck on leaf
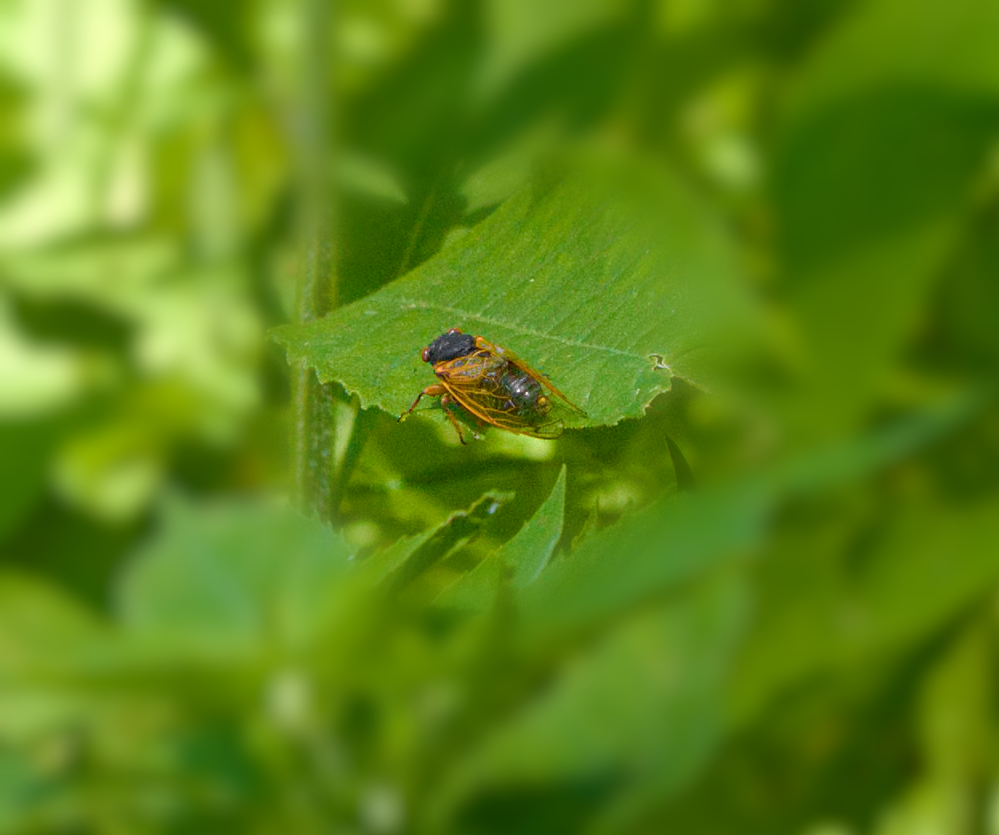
x: 659, y: 363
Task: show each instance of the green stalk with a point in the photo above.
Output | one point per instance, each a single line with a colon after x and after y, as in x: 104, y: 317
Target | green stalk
x: 312, y: 401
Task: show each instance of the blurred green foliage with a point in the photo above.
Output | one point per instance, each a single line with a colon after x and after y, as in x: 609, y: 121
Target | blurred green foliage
x: 758, y: 240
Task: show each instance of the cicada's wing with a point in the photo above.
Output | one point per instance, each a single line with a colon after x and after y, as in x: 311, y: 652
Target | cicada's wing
x: 510, y: 357
x: 476, y: 369
x: 488, y: 407
x: 474, y: 383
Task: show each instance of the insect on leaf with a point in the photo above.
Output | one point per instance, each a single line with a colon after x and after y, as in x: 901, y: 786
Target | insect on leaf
x: 607, y: 279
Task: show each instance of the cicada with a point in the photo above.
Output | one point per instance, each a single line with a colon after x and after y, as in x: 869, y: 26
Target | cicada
x: 494, y: 386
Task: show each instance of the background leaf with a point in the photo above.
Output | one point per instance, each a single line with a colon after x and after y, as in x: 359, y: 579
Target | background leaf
x: 631, y: 716
x: 877, y: 156
x: 524, y: 556
x: 211, y: 585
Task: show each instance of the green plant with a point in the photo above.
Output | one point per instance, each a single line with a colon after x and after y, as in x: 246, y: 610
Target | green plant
x: 751, y: 592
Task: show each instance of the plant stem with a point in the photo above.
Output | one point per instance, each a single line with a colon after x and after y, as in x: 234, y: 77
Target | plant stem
x: 312, y: 401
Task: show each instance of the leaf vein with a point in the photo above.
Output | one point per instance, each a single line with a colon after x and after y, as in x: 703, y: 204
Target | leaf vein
x: 522, y: 329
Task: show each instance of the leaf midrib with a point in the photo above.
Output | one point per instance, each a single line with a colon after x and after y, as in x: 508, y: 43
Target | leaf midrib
x: 466, y: 314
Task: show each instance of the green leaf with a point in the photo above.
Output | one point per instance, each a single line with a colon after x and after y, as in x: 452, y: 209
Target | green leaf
x: 668, y: 543
x: 235, y: 580
x: 384, y: 563
x: 637, y: 710
x: 838, y: 619
x: 524, y: 33
x: 681, y: 719
x: 608, y: 278
x: 680, y: 537
x: 21, y: 787
x: 525, y: 555
x: 241, y: 579
x: 225, y: 27
x: 882, y: 138
x: 529, y: 551
x: 25, y: 448
x: 367, y: 176
x: 47, y: 642
x: 40, y: 628
x: 418, y: 574
x: 956, y: 712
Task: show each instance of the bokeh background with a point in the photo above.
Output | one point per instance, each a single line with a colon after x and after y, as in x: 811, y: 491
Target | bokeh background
x: 181, y: 652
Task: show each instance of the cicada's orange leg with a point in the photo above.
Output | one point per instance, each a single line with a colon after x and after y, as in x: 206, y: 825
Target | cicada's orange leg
x: 429, y: 391
x: 447, y: 400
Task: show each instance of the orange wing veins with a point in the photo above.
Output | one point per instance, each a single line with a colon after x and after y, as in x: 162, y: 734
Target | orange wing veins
x: 510, y: 356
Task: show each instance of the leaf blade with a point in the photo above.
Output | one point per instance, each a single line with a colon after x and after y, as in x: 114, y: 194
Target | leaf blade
x: 598, y: 279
